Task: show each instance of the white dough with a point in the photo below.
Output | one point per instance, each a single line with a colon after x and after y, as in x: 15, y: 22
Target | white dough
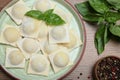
x: 19, y: 10
x: 38, y: 64
x: 43, y: 30
x: 44, y: 5
x: 73, y: 41
x: 58, y: 33
x: 30, y: 27
x: 61, y: 59
x: 49, y: 48
x: 11, y: 34
x: 15, y: 57
x: 30, y: 45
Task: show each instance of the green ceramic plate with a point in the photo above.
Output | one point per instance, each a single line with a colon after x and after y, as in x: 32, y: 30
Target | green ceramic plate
x: 75, y: 55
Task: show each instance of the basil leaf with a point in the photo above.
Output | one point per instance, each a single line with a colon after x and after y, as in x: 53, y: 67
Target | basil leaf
x: 112, y: 17
x: 35, y: 14
x: 107, y: 34
x: 54, y: 19
x: 115, y: 3
x: 85, y: 8
x: 47, y: 13
x: 49, y: 17
x: 88, y: 13
x: 115, y: 30
x: 101, y: 38
x: 99, y: 5
x: 92, y: 18
x: 50, y: 11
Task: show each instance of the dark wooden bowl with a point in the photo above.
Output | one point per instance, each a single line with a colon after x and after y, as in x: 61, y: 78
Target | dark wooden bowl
x: 107, y: 68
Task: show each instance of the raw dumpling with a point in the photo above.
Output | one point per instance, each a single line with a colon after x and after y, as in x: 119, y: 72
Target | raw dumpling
x: 74, y: 40
x: 65, y: 15
x: 17, y: 11
x: 50, y: 48
x: 60, y: 59
x: 39, y: 64
x: 43, y: 32
x: 30, y: 27
x: 14, y: 58
x: 59, y: 34
x: 44, y: 5
x: 10, y: 35
x: 28, y: 46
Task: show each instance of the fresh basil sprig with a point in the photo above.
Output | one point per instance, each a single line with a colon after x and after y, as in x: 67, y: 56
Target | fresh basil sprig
x: 49, y: 17
x: 35, y: 14
x: 88, y: 13
x: 115, y: 30
x: 105, y: 13
x: 115, y: 3
x: 99, y: 5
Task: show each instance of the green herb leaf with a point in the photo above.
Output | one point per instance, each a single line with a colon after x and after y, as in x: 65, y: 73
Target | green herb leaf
x: 92, y: 17
x: 88, y: 13
x: 54, y: 19
x: 85, y: 8
x: 107, y: 34
x: 115, y: 30
x: 49, y: 17
x: 101, y: 38
x: 35, y: 14
x: 99, y: 5
x: 112, y: 17
x: 115, y: 3
x: 47, y: 13
x: 50, y: 11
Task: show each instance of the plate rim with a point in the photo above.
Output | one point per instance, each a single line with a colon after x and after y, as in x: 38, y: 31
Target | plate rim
x: 84, y: 40
x: 82, y: 51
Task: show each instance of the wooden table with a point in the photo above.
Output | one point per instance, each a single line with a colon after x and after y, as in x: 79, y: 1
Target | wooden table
x: 84, y: 70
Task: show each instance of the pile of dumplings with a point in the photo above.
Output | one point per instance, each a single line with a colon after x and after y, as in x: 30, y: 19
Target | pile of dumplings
x: 43, y: 45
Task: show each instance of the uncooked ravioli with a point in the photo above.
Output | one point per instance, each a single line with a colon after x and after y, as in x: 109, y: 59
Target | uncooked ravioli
x: 58, y: 33
x: 43, y: 30
x: 15, y: 57
x: 11, y: 34
x: 30, y: 45
x: 43, y: 5
x: 61, y: 59
x: 29, y: 26
x: 19, y: 10
x: 38, y: 64
x: 73, y: 40
x: 49, y: 48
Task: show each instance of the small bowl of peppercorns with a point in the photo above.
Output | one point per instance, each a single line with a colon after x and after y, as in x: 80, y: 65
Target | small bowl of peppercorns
x: 107, y: 68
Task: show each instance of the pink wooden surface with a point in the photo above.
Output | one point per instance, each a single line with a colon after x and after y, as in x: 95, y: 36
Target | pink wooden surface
x: 84, y: 70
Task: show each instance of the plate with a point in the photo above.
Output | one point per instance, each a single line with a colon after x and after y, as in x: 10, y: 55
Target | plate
x: 76, y: 54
